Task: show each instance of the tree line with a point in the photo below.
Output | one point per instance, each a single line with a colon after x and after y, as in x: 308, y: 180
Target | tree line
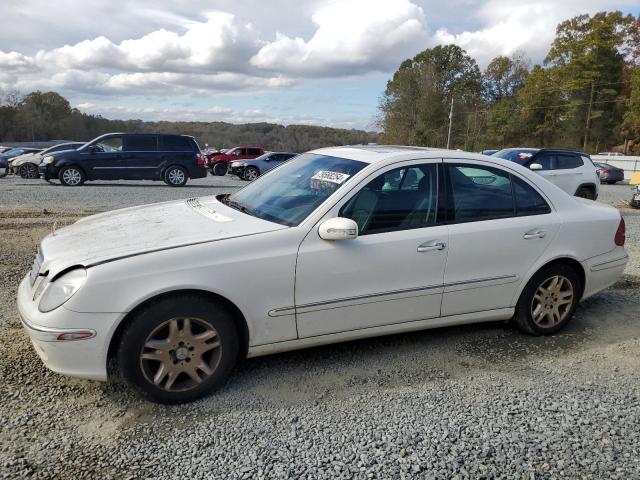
x: 44, y: 116
x: 585, y: 95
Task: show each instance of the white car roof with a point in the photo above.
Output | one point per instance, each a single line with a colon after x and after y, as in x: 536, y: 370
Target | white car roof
x: 392, y: 153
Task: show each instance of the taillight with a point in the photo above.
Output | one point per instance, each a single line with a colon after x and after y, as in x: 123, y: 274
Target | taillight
x: 201, y: 159
x: 620, y: 234
x: 604, y: 170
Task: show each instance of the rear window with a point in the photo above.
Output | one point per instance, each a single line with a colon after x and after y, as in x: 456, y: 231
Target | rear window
x: 140, y: 143
x: 176, y: 143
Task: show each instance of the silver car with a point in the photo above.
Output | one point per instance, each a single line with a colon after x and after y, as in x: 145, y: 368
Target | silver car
x: 251, y: 169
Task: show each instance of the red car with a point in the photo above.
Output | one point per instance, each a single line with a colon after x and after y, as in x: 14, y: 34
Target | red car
x: 219, y: 162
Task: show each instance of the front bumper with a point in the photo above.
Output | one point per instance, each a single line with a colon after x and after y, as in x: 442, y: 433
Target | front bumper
x: 86, y: 358
x: 237, y: 170
x: 47, y: 171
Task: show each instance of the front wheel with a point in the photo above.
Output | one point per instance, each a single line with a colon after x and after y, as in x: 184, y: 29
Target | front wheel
x: 250, y: 174
x: 220, y: 169
x: 548, y: 301
x: 71, y: 177
x: 175, y: 176
x: 29, y: 170
x: 178, y: 349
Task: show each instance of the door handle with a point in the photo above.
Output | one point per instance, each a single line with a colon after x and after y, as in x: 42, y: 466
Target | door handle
x: 431, y: 246
x: 534, y: 234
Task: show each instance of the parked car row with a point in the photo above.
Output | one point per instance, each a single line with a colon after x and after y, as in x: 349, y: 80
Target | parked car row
x: 8, y: 154
x: 116, y: 156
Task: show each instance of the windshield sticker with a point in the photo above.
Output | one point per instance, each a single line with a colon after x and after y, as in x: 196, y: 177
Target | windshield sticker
x: 327, y: 178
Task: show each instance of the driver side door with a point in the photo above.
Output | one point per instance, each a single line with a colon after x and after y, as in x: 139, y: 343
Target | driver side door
x: 392, y: 272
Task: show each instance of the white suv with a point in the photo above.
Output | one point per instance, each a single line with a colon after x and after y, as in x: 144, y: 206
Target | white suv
x: 572, y: 171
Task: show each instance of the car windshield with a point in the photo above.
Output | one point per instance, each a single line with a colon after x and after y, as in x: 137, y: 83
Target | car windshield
x: 518, y: 155
x: 288, y: 194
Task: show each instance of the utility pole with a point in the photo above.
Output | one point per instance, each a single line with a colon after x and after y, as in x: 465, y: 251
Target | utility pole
x: 450, y: 122
x: 588, y: 124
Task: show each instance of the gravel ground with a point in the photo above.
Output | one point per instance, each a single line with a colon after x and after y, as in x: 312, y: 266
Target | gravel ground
x: 479, y: 401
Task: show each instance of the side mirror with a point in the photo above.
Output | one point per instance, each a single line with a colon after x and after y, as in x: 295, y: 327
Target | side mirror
x: 535, y: 166
x: 338, y: 228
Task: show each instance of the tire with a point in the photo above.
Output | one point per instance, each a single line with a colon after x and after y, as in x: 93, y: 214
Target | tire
x: 539, y: 313
x: 29, y: 170
x: 71, y: 176
x: 250, y: 174
x: 584, y: 192
x: 220, y: 169
x: 167, y: 373
x: 175, y: 176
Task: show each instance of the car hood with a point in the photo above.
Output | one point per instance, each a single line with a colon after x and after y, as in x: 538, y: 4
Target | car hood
x: 149, y: 228
x: 27, y: 157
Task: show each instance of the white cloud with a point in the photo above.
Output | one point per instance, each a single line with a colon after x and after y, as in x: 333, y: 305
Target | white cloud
x: 351, y: 36
x: 16, y: 62
x: 527, y: 26
x: 219, y: 43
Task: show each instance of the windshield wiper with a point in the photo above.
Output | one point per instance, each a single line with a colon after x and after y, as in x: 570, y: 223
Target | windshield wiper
x: 239, y: 206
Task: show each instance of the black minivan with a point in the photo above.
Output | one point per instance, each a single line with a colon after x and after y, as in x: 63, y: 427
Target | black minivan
x: 128, y: 156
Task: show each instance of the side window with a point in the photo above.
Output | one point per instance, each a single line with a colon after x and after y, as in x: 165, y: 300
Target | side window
x: 528, y: 201
x: 175, y: 143
x: 399, y: 199
x: 240, y: 151
x: 140, y: 143
x: 546, y: 160
x: 479, y: 193
x: 110, y: 145
x: 253, y: 151
x: 565, y: 162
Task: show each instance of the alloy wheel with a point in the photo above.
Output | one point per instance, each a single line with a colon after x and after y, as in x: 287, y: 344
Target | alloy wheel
x: 29, y: 170
x: 180, y: 354
x: 72, y: 177
x: 176, y: 176
x: 250, y: 174
x: 552, y: 301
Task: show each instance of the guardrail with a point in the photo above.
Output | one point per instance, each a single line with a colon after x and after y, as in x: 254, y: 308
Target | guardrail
x: 629, y: 164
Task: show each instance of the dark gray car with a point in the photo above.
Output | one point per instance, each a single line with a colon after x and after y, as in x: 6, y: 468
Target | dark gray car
x: 609, y: 173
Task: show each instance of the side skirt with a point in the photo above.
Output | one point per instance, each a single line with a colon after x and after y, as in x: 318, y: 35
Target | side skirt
x: 288, y: 345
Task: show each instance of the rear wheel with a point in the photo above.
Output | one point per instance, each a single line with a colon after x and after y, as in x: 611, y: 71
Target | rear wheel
x: 29, y: 170
x: 584, y: 192
x: 175, y: 176
x: 71, y: 176
x: 548, y: 301
x: 178, y: 349
x: 220, y: 169
x: 250, y: 174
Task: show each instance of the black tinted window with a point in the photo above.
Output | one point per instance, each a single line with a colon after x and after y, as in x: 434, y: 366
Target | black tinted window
x: 176, y: 143
x: 140, y: 143
x: 400, y: 199
x: 253, y: 151
x: 547, y: 161
x: 564, y: 162
x: 528, y: 201
x: 479, y: 193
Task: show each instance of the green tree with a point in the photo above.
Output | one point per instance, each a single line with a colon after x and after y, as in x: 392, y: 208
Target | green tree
x: 416, y: 103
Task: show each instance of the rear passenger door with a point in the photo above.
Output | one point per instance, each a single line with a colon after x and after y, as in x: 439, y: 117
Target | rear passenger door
x: 140, y: 157
x: 499, y: 225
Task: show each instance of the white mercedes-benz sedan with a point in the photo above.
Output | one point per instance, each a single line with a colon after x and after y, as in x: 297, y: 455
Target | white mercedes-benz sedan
x: 337, y: 244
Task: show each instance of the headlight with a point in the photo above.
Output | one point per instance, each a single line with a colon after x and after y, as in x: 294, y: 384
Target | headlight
x: 62, y: 289
x: 47, y: 160
x: 235, y: 164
